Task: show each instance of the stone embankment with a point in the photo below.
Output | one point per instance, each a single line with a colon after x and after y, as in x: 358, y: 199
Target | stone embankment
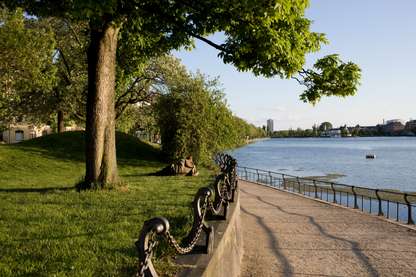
x: 289, y: 235
x: 225, y: 259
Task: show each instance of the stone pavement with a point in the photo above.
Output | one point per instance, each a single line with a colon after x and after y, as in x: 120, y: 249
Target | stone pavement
x: 289, y: 235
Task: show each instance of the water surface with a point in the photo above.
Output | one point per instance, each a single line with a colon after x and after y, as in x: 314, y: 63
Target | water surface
x: 394, y: 166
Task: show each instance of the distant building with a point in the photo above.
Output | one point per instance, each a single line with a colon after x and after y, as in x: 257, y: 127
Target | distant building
x: 393, y: 121
x: 392, y: 127
x: 270, y: 127
x: 410, y: 125
x: 20, y: 132
x: 331, y: 133
x: 369, y: 129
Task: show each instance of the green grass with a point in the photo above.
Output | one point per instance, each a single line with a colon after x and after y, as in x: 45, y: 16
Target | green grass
x: 49, y: 229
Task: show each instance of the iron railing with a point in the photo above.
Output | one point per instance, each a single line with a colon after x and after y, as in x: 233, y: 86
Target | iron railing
x: 155, y: 229
x: 391, y: 204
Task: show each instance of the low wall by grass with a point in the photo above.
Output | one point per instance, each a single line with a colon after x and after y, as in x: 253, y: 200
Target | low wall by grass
x: 225, y: 259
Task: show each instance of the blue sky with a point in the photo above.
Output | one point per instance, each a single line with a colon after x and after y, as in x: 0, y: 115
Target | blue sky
x: 378, y: 35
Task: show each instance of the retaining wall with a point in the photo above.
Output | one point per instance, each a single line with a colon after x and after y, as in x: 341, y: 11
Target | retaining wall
x: 225, y: 259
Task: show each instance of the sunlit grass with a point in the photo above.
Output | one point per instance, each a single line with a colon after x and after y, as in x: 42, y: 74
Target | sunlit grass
x: 47, y: 228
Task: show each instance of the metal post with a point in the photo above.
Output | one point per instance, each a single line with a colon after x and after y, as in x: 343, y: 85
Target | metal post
x: 348, y: 199
x: 245, y: 171
x: 297, y: 179
x: 355, y: 197
x: 258, y: 177
x: 409, y: 210
x: 380, y: 211
x: 271, y: 178
x: 371, y: 205
x: 397, y: 211
x: 388, y: 208
x: 333, y: 191
x: 315, y: 188
x: 284, y: 182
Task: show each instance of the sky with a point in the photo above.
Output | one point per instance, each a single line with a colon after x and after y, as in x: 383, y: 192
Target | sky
x: 378, y: 35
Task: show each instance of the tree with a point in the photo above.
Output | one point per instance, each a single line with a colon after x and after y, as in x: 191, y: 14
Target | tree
x: 48, y: 68
x: 330, y: 77
x: 68, y: 99
x: 314, y: 130
x: 269, y: 38
x: 344, y: 131
x: 194, y: 119
x: 325, y: 126
x: 26, y: 67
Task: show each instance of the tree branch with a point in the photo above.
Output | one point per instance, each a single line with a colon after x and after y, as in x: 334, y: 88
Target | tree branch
x: 73, y: 32
x: 66, y: 64
x: 207, y: 41
x: 298, y: 80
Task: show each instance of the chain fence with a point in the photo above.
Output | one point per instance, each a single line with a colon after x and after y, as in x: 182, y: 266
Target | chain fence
x: 213, y: 200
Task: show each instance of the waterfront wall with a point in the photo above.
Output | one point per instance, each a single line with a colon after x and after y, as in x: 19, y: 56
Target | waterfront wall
x: 225, y: 259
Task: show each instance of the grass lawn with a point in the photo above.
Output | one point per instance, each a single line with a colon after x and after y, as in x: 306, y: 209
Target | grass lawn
x: 49, y: 229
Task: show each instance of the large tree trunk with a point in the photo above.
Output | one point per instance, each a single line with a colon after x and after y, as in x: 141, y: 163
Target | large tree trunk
x: 101, y: 163
x: 61, y: 122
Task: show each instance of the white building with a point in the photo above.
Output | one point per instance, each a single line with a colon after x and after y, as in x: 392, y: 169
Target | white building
x: 270, y: 127
x: 331, y: 133
x: 22, y: 131
x: 394, y: 121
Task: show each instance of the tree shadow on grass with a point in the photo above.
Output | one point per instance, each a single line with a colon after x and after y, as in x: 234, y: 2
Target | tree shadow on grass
x: 39, y: 190
x: 87, y: 234
x: 70, y: 146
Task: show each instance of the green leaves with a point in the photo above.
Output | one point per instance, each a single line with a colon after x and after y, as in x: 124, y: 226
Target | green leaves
x: 194, y: 119
x: 26, y: 67
x: 267, y: 37
x: 330, y: 77
x: 270, y: 39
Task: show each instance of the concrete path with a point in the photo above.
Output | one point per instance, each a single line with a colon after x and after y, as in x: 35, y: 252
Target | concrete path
x: 289, y: 235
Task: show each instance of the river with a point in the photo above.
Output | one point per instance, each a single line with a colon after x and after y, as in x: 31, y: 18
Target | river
x: 344, y: 159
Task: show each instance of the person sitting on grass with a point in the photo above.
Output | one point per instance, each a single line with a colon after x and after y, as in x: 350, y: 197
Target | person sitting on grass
x: 185, y: 167
x: 182, y: 167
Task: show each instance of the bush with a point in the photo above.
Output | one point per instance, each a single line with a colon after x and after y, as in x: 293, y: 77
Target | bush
x: 194, y: 119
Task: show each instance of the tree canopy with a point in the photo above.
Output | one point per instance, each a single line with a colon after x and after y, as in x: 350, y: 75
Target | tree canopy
x: 266, y: 37
x: 325, y: 126
x: 26, y: 65
x: 194, y: 119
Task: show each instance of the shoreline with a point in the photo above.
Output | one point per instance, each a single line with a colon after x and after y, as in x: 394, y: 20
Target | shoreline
x: 249, y: 141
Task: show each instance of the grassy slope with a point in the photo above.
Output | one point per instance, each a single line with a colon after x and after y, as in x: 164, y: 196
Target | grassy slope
x: 47, y: 228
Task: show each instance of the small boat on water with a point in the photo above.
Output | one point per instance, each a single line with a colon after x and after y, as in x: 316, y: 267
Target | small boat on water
x: 370, y: 156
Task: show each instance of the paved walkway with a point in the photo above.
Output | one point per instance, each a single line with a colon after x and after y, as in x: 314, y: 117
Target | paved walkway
x: 289, y: 235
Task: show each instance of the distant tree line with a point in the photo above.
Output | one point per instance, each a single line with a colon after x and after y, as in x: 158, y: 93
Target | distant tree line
x: 389, y: 129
